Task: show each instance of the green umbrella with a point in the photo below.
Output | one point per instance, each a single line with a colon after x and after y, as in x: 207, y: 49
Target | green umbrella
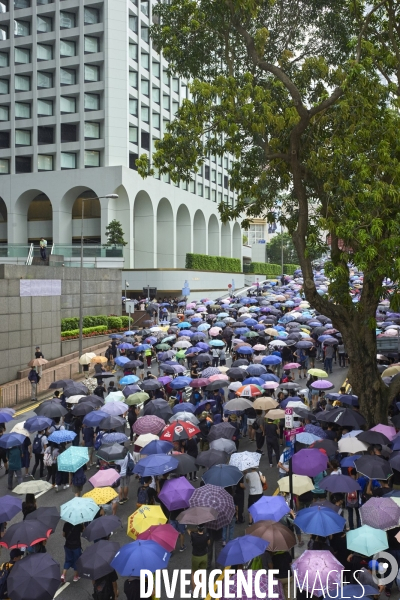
x: 163, y: 347
x: 79, y: 510
x: 181, y: 354
x: 367, y: 540
x: 169, y: 338
x: 72, y: 459
x: 251, y: 334
x: 137, y: 398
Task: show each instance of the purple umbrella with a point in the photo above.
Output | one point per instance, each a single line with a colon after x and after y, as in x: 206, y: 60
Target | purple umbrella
x: 165, y: 380
x: 212, y: 496
x: 322, y: 384
x: 221, y: 430
x: 202, y: 406
x: 339, y: 484
x: 309, y: 462
x: 269, y: 508
x: 176, y: 493
x: 381, y: 513
x: 318, y: 568
x: 131, y: 389
x: 148, y: 424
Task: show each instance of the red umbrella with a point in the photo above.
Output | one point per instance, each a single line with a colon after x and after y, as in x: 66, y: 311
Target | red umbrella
x: 165, y: 535
x: 199, y: 382
x: 179, y: 430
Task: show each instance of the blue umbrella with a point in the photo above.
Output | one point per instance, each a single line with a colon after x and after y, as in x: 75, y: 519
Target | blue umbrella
x: 93, y: 419
x: 349, y: 399
x: 10, y: 440
x: 202, y: 406
x: 79, y: 510
x: 180, y: 382
x: 5, y: 417
x: 115, y: 336
x: 349, y: 461
x: 245, y: 350
x: 240, y: 550
x: 141, y: 348
x: 157, y: 447
x: 131, y: 389
x: 10, y: 507
x: 72, y: 459
x: 253, y: 380
x: 155, y: 464
x: 222, y: 475
x: 270, y: 377
x: 114, y: 438
x: 217, y: 343
x: 307, y: 438
x: 130, y: 332
x: 271, y: 360
x: 183, y: 325
x: 61, y: 436
x: 125, y: 346
x: 37, y: 423
x: 121, y: 360
x: 204, y: 327
x: 269, y: 508
x: 250, y: 322
x: 139, y: 555
x: 319, y: 520
x: 256, y: 370
x: 186, y: 332
x: 128, y: 379
x: 315, y: 430
x: 183, y: 406
x: 242, y: 330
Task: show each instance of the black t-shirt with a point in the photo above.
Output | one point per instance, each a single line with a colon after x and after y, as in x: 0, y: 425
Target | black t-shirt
x: 132, y: 589
x: 199, y: 543
x: 72, y: 535
x: 281, y: 561
x: 215, y: 534
x: 271, y: 431
x: 39, y: 355
x: 109, y: 579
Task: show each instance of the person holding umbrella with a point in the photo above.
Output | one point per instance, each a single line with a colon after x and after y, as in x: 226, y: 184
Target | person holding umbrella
x: 14, y: 458
x: 34, y: 378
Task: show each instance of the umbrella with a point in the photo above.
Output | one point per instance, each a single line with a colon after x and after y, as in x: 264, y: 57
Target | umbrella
x: 381, y: 513
x: 101, y: 527
x: 348, y: 399
x: 165, y: 535
x: 185, y: 416
x: 137, y: 398
x: 186, y: 464
x: 72, y: 459
x: 47, y: 515
x: 80, y: 410
x: 267, y: 508
x: 38, y: 423
x: 320, y: 521
x: 329, y: 446
x: 75, y: 399
x: 94, y: 418
x: 373, y: 437
x: 279, y: 536
x: 209, y: 458
x: 114, y: 397
x: 32, y: 487
x: 346, y: 417
x: 94, y: 565
x: 10, y: 507
x: 223, y: 475
x: 10, y: 440
x: 349, y: 461
x: 37, y: 577
x: 327, y: 504
x: 366, y: 540
x: 111, y: 422
x: 351, y: 445
x: 61, y: 383
x: 115, y: 408
x: 75, y: 389
x: 223, y: 445
x: 155, y: 464
x: 158, y: 407
x: 157, y: 447
x: 179, y: 430
x: 265, y: 404
x: 148, y: 424
x: 374, y: 467
x: 307, y: 439
x: 388, y: 431
x: 301, y: 484
x: 86, y: 359
x: 309, y: 462
x: 238, y: 404
x: 145, y: 439
x: 212, y: 496
x: 339, y: 484
x: 5, y: 417
x: 128, y: 380
x: 99, y: 359
x: 176, y: 493
x: 321, y: 566
x: 139, y: 555
x: 79, y: 510
x: 112, y: 453
x: 101, y: 495
x: 221, y: 430
x: 244, y: 460
x: 197, y: 515
x: 143, y: 518
x: 241, y: 550
x: 317, y: 372
x: 104, y: 478
x: 250, y: 391
x: 25, y: 533
x: 114, y: 438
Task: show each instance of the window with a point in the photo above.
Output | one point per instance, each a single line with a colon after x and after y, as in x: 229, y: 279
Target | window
x: 256, y: 233
x: 22, y: 83
x: 207, y: 192
x: 68, y: 160
x: 3, y: 32
x: 44, y: 80
x: 156, y: 69
x: 67, y: 20
x: 22, y: 137
x: 45, y: 162
x: 133, y: 51
x: 145, y: 61
x: 144, y: 114
x: 166, y: 77
x: 22, y: 4
x: 22, y: 110
x: 69, y: 132
x: 3, y: 6
x: 91, y: 16
x: 226, y: 182
x: 133, y: 23
x: 4, y: 86
x: 4, y: 113
x: 45, y: 108
x: 4, y: 166
x: 4, y: 139
x: 133, y: 79
x: 44, y: 52
x: 156, y: 120
x: 92, y: 44
x: 4, y: 59
x: 145, y: 140
x: 226, y: 162
x: 144, y: 33
x: 199, y: 189
x: 133, y: 107
x: 22, y: 56
x: 67, y: 104
x: 219, y: 197
x: 23, y: 164
x: 44, y: 24
x: 133, y: 135
x: 165, y: 101
x: 175, y: 107
x: 132, y: 161
x: 175, y: 85
x: 193, y: 187
x: 45, y: 135
x: 67, y: 76
x: 144, y: 7
x: 219, y: 161
x: 213, y: 175
x: 40, y: 2
x: 92, y: 131
x: 213, y: 195
x: 92, y: 73
x: 156, y: 95
x: 92, y: 102
x: 219, y: 178
x: 145, y: 87
x: 207, y: 172
x: 165, y: 124
x: 67, y: 48
x: 92, y: 158
x: 22, y: 28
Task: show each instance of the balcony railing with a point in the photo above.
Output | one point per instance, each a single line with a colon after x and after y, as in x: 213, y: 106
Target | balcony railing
x: 89, y: 251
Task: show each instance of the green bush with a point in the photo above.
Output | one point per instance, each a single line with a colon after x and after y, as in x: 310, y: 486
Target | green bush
x: 268, y: 269
x: 85, y: 331
x: 69, y: 324
x: 114, y: 322
x: 203, y: 262
x: 125, y: 321
x: 95, y: 321
x: 290, y: 269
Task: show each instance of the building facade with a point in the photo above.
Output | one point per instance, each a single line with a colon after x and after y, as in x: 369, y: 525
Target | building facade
x: 82, y: 94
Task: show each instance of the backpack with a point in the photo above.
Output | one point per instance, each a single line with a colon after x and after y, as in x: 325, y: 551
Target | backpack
x: 98, y: 441
x: 79, y: 478
x: 102, y: 589
x: 5, y: 569
x: 130, y: 466
x: 143, y: 496
x: 352, y: 499
x: 48, y: 458
x: 37, y: 445
x: 255, y: 426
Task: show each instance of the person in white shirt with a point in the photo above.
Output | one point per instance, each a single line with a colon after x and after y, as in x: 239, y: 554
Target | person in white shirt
x: 254, y: 483
x: 283, y: 466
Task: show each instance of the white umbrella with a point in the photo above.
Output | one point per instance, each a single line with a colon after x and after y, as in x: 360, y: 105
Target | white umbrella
x: 114, y: 397
x: 245, y: 460
x: 74, y: 399
x: 277, y: 343
x: 224, y: 445
x: 235, y: 385
x: 145, y: 439
x: 183, y: 344
x: 185, y: 416
x: 238, y: 404
x: 85, y: 359
x: 19, y: 428
x: 352, y: 445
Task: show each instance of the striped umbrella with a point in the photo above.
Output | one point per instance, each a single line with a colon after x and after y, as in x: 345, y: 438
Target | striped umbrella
x: 212, y: 496
x: 148, y: 424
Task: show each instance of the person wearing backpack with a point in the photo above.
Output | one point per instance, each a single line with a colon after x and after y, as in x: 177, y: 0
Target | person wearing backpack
x: 146, y: 494
x: 106, y: 588
x: 353, y: 503
x: 15, y: 555
x: 79, y: 480
x: 50, y: 461
x: 38, y: 448
x: 14, y: 456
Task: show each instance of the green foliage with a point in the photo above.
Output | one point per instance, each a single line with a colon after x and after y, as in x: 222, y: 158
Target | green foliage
x: 114, y: 322
x: 268, y: 269
x: 290, y: 269
x: 125, y: 321
x: 115, y: 234
x: 85, y: 331
x: 203, y: 262
x: 69, y: 323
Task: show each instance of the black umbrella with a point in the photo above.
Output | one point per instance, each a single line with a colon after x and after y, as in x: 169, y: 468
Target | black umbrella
x: 61, y: 383
x: 51, y: 409
x: 373, y: 437
x: 151, y: 385
x: 204, y: 358
x: 95, y: 561
x: 75, y: 390
x: 111, y: 422
x: 209, y: 458
x: 240, y: 362
x: 395, y: 461
x: 101, y: 527
x: 80, y: 410
x: 216, y: 385
x: 187, y: 464
x: 289, y: 386
x: 111, y: 453
x: 36, y: 577
x: 47, y: 515
x: 329, y: 446
x: 236, y: 373
x: 346, y: 417
x: 373, y: 467
x: 103, y: 375
x: 133, y: 364
x: 396, y: 421
x: 95, y: 400
x: 159, y: 408
x: 24, y: 534
x: 305, y: 414
x: 221, y: 430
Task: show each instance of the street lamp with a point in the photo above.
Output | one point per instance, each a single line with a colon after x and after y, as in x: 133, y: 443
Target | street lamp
x: 110, y: 196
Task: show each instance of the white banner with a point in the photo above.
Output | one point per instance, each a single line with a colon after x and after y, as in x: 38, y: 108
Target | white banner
x: 40, y: 287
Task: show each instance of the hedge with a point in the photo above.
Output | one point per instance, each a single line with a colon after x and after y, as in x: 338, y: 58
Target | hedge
x: 290, y: 269
x: 125, y: 321
x: 203, y: 262
x: 85, y: 330
x: 268, y: 269
x: 72, y: 323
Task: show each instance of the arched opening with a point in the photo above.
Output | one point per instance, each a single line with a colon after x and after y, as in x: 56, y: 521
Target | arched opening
x: 183, y: 236
x: 237, y: 241
x: 119, y: 209
x: 226, y: 241
x: 165, y: 235
x: 3, y: 222
x: 40, y: 219
x: 213, y: 236
x: 88, y: 205
x: 143, y: 222
x: 199, y: 233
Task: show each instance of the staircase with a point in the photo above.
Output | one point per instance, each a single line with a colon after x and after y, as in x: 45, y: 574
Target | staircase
x: 37, y: 261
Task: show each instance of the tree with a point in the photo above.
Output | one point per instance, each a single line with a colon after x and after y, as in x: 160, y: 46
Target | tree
x: 115, y: 234
x: 293, y: 91
x: 274, y: 250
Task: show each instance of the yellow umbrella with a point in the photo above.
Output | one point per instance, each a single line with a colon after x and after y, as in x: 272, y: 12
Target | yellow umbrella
x: 391, y: 371
x: 275, y: 414
x: 143, y: 518
x: 301, y: 484
x: 101, y: 495
x: 265, y: 403
x: 317, y: 372
x: 98, y: 359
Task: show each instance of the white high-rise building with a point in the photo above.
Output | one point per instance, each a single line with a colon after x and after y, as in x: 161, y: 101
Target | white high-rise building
x: 82, y: 95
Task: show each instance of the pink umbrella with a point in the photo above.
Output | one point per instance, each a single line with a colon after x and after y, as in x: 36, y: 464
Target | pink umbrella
x: 318, y: 568
x: 270, y: 385
x: 259, y: 347
x: 220, y: 377
x: 148, y: 424
x: 390, y: 432
x: 165, y: 535
x: 104, y: 478
x: 291, y: 366
x: 199, y: 382
x: 214, y: 331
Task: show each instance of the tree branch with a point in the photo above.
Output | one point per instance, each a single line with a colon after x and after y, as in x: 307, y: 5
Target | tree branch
x: 364, y: 28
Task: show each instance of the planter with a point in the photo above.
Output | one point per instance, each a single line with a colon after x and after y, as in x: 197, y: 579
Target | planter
x: 113, y: 253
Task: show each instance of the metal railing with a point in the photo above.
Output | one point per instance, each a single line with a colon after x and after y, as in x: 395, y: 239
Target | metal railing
x: 89, y: 251
x: 30, y: 255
